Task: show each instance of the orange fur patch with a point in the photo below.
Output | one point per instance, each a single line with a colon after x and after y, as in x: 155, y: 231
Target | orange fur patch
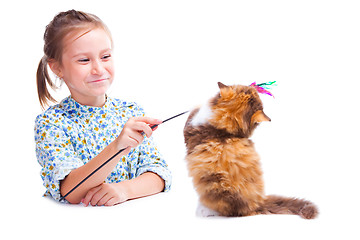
x: 238, y: 164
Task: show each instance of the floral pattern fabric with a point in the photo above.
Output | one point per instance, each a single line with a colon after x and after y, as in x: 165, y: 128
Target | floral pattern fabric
x: 68, y: 135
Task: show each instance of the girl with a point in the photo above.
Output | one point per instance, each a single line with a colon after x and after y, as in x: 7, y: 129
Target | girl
x: 76, y: 136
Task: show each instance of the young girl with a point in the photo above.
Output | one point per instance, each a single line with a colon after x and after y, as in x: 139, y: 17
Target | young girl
x: 76, y: 136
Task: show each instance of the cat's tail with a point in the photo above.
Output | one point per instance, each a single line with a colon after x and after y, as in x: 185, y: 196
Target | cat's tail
x: 283, y: 205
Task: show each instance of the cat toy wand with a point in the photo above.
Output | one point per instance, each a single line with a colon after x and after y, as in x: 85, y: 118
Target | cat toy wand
x: 111, y: 158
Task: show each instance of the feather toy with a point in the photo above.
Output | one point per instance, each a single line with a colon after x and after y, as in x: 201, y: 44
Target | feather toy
x: 264, y: 87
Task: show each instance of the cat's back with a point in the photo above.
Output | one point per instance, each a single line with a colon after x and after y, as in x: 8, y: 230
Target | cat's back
x: 204, y: 141
x: 215, y: 157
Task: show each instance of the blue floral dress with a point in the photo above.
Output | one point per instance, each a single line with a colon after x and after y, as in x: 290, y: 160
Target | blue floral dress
x: 68, y: 135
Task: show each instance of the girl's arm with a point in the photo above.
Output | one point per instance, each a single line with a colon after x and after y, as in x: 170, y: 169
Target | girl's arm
x: 146, y: 184
x: 110, y: 194
x: 130, y: 137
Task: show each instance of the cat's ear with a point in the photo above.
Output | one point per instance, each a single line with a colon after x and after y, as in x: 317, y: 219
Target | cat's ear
x: 221, y: 85
x: 222, y: 88
x: 259, y: 116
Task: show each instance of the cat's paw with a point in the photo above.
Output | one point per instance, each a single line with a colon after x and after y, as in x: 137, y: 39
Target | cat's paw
x: 203, y: 211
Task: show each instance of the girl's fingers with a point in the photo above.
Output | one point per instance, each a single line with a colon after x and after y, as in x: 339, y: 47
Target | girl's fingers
x: 104, y: 199
x: 115, y: 200
x: 147, y: 130
x: 97, y: 197
x: 134, y: 130
x: 111, y: 202
x: 150, y: 121
x: 90, y: 194
x: 142, y: 127
x: 146, y: 123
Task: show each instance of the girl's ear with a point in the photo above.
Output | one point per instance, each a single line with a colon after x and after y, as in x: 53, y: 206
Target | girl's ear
x: 259, y: 116
x: 55, y: 68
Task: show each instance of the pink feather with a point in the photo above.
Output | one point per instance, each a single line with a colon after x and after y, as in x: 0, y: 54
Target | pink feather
x: 261, y: 89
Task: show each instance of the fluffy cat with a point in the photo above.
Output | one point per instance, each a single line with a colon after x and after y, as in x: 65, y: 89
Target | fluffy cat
x: 222, y: 160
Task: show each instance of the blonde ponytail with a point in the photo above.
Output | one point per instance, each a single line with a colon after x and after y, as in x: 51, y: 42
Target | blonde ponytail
x: 43, y: 79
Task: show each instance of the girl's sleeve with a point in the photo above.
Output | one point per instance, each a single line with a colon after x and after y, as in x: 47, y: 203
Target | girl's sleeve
x: 150, y: 160
x: 55, y: 154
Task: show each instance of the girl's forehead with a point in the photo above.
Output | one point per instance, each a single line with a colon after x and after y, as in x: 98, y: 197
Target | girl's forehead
x: 87, y: 39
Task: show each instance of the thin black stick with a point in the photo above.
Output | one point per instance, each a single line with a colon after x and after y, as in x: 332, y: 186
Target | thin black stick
x: 102, y: 165
x: 169, y: 119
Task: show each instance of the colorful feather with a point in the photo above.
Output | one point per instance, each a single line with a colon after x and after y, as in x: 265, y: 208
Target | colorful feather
x: 264, y: 87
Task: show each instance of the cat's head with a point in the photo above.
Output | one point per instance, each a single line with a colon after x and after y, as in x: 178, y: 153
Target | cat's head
x: 237, y: 109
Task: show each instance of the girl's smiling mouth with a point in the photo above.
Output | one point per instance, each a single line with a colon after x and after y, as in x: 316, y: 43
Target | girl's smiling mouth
x: 99, y: 80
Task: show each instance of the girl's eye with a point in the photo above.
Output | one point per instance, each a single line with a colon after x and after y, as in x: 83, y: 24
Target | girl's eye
x: 84, y: 60
x: 106, y: 57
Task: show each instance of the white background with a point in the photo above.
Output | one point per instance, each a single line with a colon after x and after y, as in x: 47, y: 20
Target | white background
x: 169, y: 55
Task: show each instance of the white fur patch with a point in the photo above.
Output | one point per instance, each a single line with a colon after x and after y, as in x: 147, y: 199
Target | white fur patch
x: 203, y: 211
x: 202, y: 116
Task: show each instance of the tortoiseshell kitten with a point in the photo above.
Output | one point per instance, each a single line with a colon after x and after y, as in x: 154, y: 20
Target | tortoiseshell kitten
x: 223, y: 162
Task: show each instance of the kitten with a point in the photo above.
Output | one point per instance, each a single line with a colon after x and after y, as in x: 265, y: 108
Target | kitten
x: 223, y: 162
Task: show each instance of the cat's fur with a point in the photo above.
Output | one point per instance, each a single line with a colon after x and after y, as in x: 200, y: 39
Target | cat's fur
x: 222, y: 160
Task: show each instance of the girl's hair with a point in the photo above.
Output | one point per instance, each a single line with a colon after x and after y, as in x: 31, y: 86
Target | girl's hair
x: 63, y: 24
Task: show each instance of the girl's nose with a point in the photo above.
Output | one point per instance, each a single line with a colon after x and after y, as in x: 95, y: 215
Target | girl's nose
x: 97, y: 68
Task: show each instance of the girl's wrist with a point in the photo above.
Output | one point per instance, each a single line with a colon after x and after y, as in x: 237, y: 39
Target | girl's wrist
x: 117, y: 143
x: 124, y: 190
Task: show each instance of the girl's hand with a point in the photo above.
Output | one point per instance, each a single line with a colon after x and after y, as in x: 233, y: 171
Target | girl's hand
x: 106, y: 194
x: 132, y: 133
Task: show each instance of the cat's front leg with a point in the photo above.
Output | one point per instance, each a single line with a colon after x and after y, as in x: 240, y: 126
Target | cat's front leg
x: 203, y: 211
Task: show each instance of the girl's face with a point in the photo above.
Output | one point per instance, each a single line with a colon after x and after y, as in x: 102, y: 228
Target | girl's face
x: 87, y: 66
